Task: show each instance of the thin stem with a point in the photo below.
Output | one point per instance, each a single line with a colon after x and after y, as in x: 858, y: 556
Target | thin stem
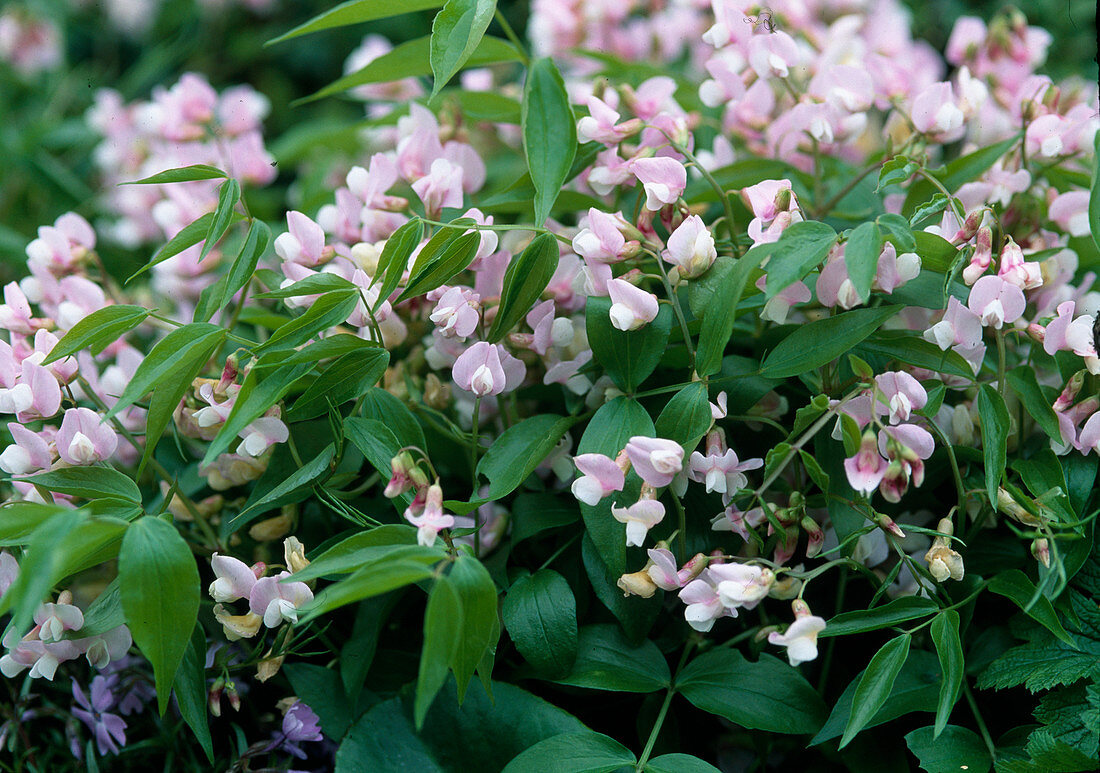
x: 827, y: 207
x: 954, y: 463
x: 682, y: 531
x: 674, y: 299
x: 642, y: 760
x: 473, y: 469
x: 980, y: 722
x: 731, y: 222
x: 1000, y: 362
x: 513, y: 37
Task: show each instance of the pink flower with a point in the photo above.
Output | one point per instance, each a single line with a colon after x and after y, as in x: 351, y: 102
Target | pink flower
x: 935, y: 113
x: 9, y: 571
x: 441, y: 187
x: 1070, y: 211
x: 486, y: 369
x: 656, y: 460
x: 261, y: 434
x: 664, y: 572
x: 901, y: 394
x: 304, y: 243
x: 691, y: 248
x: 1065, y: 333
x: 277, y: 601
x: 773, y: 55
x: 52, y: 620
x: 1025, y: 275
x: 42, y: 658
x: 602, y: 241
x: 996, y: 301
x: 15, y: 313
x: 800, y: 638
x: 741, y: 585
x: 720, y: 470
x: 1045, y: 137
x: 732, y: 519
x: 779, y: 305
x: 234, y: 579
x: 663, y: 178
x: 866, y: 469
x: 768, y: 198
x: 959, y: 327
x: 600, y: 477
x: 639, y: 518
x: 704, y: 605
x: 600, y: 124
x: 84, y: 438
x: 631, y: 307
x: 455, y: 312
x: 431, y: 518
x: 29, y: 453
x: 982, y: 257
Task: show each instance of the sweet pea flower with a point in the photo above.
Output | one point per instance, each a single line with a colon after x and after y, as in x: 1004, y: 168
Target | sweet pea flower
x: 742, y: 585
x: 779, y: 305
x: 1062, y: 333
x: 15, y: 312
x: 768, y: 198
x: 84, y: 438
x: 720, y: 470
x: 487, y: 369
x: 1069, y: 210
x: 109, y: 729
x: 110, y: 646
x: 639, y: 518
x: 455, y: 312
x: 9, y: 571
x: 656, y: 460
x: 935, y: 113
x: 800, y: 638
x: 42, y: 658
x: 277, y: 601
x: 29, y: 453
x: 602, y: 241
x: 732, y: 519
x: 691, y: 248
x: 430, y: 519
x: 52, y: 620
x: 441, y: 187
x: 866, y: 469
x: 234, y: 579
x: 704, y: 605
x: 1014, y: 269
x: 662, y: 568
x: 959, y: 327
x: 602, y: 124
x: 663, y: 178
x: 600, y: 476
x: 996, y: 301
x: 304, y: 242
x: 261, y: 434
x: 901, y: 394
x: 631, y: 307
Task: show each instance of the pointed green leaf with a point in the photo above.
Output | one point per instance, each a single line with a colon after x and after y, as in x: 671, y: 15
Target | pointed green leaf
x: 540, y: 614
x: 190, y: 690
x: 181, y: 174
x: 524, y: 280
x: 345, y: 379
x: 456, y: 32
x: 861, y: 257
x: 454, y: 257
x: 549, y: 133
x: 720, y: 311
x: 1026, y: 386
x: 813, y: 344
x: 442, y: 629
x: 315, y: 284
x: 163, y: 361
x: 217, y: 295
x: 479, y: 617
x: 228, y: 194
x: 799, y: 250
x: 956, y: 749
x: 875, y: 685
x: 1015, y: 586
x: 97, y: 331
x: 88, y: 482
x: 995, y: 424
x: 355, y: 12
x: 945, y: 635
x: 394, y: 260
x: 303, y: 476
x: 586, y: 752
x: 607, y: 660
x: 190, y: 235
x: 331, y: 309
x: 629, y: 357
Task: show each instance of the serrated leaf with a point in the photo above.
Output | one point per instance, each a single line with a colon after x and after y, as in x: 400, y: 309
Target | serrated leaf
x: 549, y: 133
x: 524, y: 280
x: 97, y: 331
x: 456, y: 31
x: 875, y: 685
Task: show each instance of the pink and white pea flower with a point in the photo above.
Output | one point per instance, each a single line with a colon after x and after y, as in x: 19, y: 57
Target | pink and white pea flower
x: 996, y: 301
x: 768, y: 198
x: 772, y: 56
x: 234, y: 579
x: 866, y: 469
x: 935, y: 113
x: 15, y: 312
x: 656, y: 460
x: 430, y: 519
x: 639, y: 518
x: 602, y: 124
x: 909, y: 445
x: 261, y: 434
x: 631, y: 307
x: 732, y: 519
x: 455, y: 313
x: 64, y: 370
x: 718, y: 409
x: 84, y: 438
x: 742, y: 585
x: 779, y: 305
x: 1069, y: 210
x: 959, y: 327
x: 800, y: 638
x: 720, y: 470
x: 691, y: 248
x: 901, y: 394
x: 9, y: 571
x: 278, y: 601
x: 664, y: 180
x: 52, y: 620
x: 487, y: 369
x: 29, y: 453
x: 664, y: 571
x: 304, y: 242
x: 1065, y: 333
x: 704, y: 605
x: 1014, y: 269
x: 600, y: 476
x: 441, y: 187
x: 602, y: 241
x: 42, y: 658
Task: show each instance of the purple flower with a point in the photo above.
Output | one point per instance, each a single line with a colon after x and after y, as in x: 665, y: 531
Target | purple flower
x: 109, y: 729
x: 299, y: 724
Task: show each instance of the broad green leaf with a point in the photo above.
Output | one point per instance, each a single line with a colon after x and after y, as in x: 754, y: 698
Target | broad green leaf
x: 380, y: 405
x: 314, y: 284
x: 345, y: 379
x: 627, y: 356
x: 355, y: 12
x: 945, y: 635
x: 896, y: 228
x: 524, y: 280
x: 159, y: 590
x: 97, y: 331
x: 442, y: 628
x: 679, y: 763
x: 306, y: 475
x: 549, y: 133
x: 686, y: 417
x: 88, y: 482
x: 479, y: 617
x: 1026, y: 386
x: 1016, y: 587
x: 936, y: 253
x: 102, y: 615
x: 450, y: 260
x: 995, y: 424
x: 394, y: 259
x: 586, y: 752
x: 163, y: 361
x: 332, y: 308
x: 41, y: 567
x: 607, y: 660
x: 813, y: 344
x: 228, y: 194
x: 535, y: 513
x: 720, y: 311
x: 635, y: 614
x: 456, y: 32
x: 215, y: 297
x: 410, y: 60
x: 933, y: 206
x: 375, y: 440
x: 519, y: 450
x: 327, y: 348
x: 321, y: 689
x: 765, y: 695
x: 181, y: 174
x: 190, y: 235
x: 190, y: 689
x: 863, y: 620
x: 955, y: 749
x: 369, y: 581
x: 861, y: 257
x: 908, y: 347
x: 875, y: 685
x: 540, y: 614
x: 799, y: 250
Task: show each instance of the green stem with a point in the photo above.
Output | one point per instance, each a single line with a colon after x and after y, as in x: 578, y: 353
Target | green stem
x: 513, y: 37
x: 731, y: 222
x: 980, y: 722
x: 954, y: 463
x: 1000, y: 362
x: 473, y: 471
x: 674, y: 299
x: 827, y: 207
x: 662, y: 713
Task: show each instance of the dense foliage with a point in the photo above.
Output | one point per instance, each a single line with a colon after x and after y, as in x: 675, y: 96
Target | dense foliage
x: 677, y: 386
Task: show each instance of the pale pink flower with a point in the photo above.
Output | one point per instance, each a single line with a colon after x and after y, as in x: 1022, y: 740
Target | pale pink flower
x: 741, y: 585
x: 631, y: 307
x: 1013, y: 268
x: 29, y: 453
x: 959, y: 327
x: 430, y: 519
x: 765, y: 201
x: 732, y: 519
x: 1070, y: 211
x: 600, y: 476
x: 278, y: 601
x: 600, y: 124
x: 455, y: 312
x: 84, y: 438
x: 656, y: 460
x: 720, y: 470
x: 261, y: 434
x: 665, y: 571
x: 1065, y: 333
x: 900, y: 395
x: 9, y: 571
x: 52, y: 620
x: 15, y: 312
x: 996, y: 301
x: 639, y: 518
x: 779, y: 305
x: 487, y: 369
x: 663, y: 178
x: 441, y: 187
x: 866, y: 469
x: 42, y: 658
x: 773, y: 55
x: 304, y: 242
x: 602, y: 241
x: 935, y: 113
x: 234, y: 579
x: 800, y: 638
x: 691, y: 248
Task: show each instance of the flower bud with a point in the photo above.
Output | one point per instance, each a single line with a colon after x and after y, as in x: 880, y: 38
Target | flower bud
x: 1070, y: 392
x: 294, y: 555
x: 814, y: 534
x: 1040, y: 550
x: 886, y: 523
x: 214, y: 697
x: 271, y: 528
x: 787, y: 587
x: 637, y: 584
x: 1008, y: 505
x: 233, y: 695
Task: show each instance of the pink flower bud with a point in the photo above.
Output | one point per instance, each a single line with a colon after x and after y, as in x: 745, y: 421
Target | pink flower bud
x: 691, y: 248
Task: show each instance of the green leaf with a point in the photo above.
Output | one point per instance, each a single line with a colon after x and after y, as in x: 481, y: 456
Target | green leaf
x: 936, y: 253
x: 442, y: 627
x: 908, y: 347
x: 540, y: 614
x: 586, y: 752
x: 813, y: 344
x: 456, y: 32
x: 875, y: 685
x: 228, y: 194
x: 439, y: 268
x: 320, y: 688
x: 549, y: 133
x: 524, y: 280
x: 181, y: 174
x: 371, y: 580
x: 945, y: 635
x: 331, y: 309
x: 765, y: 695
x: 355, y: 12
x: 1016, y: 587
x: 479, y: 617
x: 216, y: 296
x: 956, y: 749
x: 410, y: 60
x: 720, y: 311
x: 314, y: 284
x: 535, y: 513
x: 199, y: 339
x: 375, y: 440
x: 327, y: 348
x: 1026, y: 386
x: 627, y: 356
x: 1094, y: 195
x: 896, y: 171
x: 607, y: 660
x: 345, y: 379
x: 88, y: 482
x: 190, y: 235
x: 519, y: 450
x: 679, y: 763
x: 635, y: 614
x: 897, y: 611
x: 371, y: 549
x: 861, y: 257
x: 799, y: 250
x: 995, y: 424
x: 686, y: 417
x: 305, y: 475
x: 190, y: 689
x: 935, y: 205
x: 97, y: 331
x: 394, y: 259
x: 159, y: 590
x: 897, y: 229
